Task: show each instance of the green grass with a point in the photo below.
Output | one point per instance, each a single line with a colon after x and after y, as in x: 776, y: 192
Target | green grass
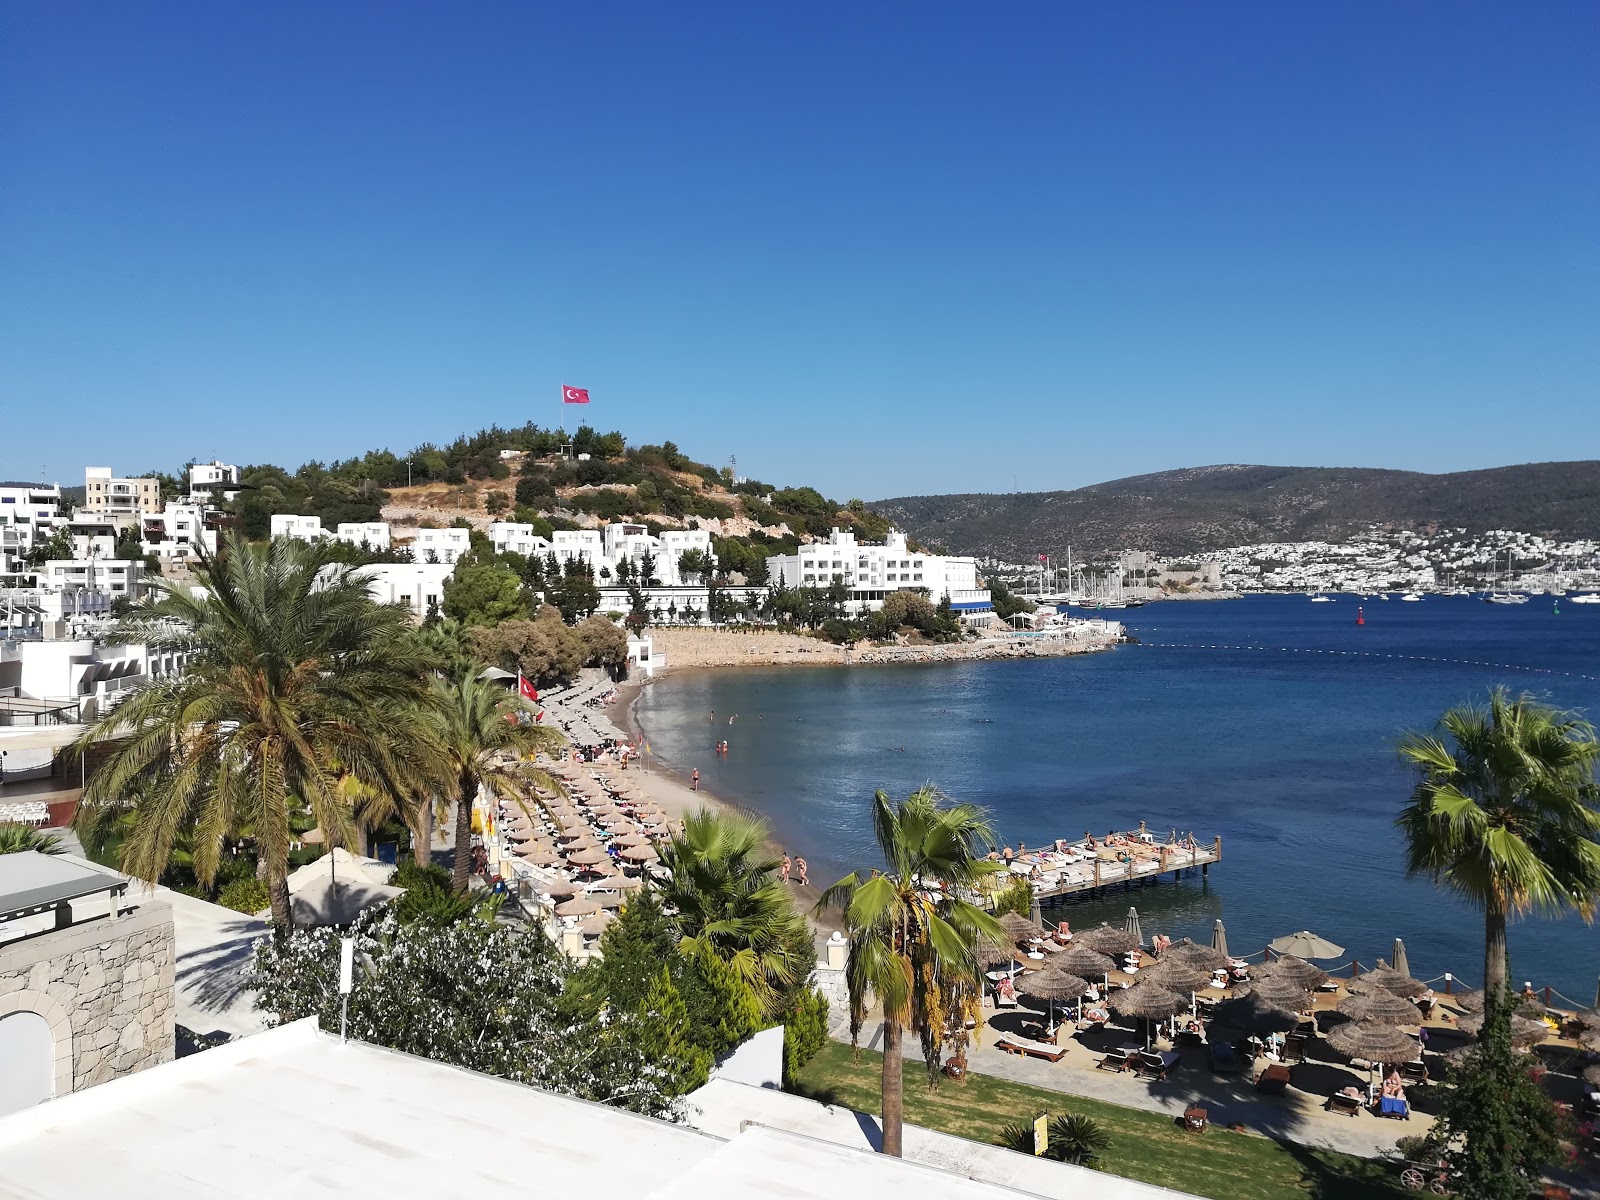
x: 1146, y: 1146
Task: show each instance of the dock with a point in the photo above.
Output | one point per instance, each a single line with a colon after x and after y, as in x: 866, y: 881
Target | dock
x: 1076, y: 870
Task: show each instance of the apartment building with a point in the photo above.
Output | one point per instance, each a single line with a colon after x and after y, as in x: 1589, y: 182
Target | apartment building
x: 444, y: 546
x: 291, y: 525
x: 605, y: 549
x: 106, y: 493
x: 115, y: 576
x: 179, y: 531
x: 872, y: 570
x: 374, y: 535
x: 418, y: 587
x: 213, y: 482
x: 29, y: 514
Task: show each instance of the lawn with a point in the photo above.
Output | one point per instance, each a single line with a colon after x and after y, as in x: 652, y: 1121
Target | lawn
x: 1146, y: 1146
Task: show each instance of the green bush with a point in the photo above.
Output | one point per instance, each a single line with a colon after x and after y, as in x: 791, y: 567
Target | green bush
x: 410, y: 874
x: 245, y: 895
x: 1015, y: 898
x: 805, y: 1031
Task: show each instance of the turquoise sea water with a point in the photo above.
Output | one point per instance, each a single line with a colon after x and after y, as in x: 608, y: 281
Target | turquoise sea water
x: 1286, y: 750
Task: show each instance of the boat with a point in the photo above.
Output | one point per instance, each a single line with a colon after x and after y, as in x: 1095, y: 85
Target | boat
x: 1411, y: 597
x: 1498, y: 597
x: 1587, y: 598
x: 1319, y: 598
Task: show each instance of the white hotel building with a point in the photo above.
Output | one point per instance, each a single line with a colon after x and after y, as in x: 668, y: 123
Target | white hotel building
x: 871, y: 571
x: 608, y: 547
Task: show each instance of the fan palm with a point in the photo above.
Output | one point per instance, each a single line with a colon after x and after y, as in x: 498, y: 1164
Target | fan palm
x: 16, y: 837
x: 1504, y: 814
x: 480, y: 738
x: 292, y: 668
x: 724, y: 884
x: 1070, y: 1138
x: 911, y: 934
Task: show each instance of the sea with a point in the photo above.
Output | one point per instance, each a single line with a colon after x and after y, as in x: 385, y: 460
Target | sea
x: 1269, y: 721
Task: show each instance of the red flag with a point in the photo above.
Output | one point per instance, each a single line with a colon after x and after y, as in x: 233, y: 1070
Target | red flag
x: 525, y: 688
x: 1042, y: 557
x: 572, y: 395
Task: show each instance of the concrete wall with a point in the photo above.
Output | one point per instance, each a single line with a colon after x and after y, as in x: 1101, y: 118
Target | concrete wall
x: 105, y: 987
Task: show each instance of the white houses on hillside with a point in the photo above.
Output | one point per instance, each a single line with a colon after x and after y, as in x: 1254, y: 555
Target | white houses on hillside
x: 374, y: 535
x: 440, y: 545
x: 213, y: 482
x: 871, y: 571
x: 607, y: 548
x: 416, y: 586
x: 291, y: 525
x: 177, y: 531
x: 29, y: 513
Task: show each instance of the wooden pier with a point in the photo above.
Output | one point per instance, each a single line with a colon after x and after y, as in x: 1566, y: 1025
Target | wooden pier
x: 1135, y: 860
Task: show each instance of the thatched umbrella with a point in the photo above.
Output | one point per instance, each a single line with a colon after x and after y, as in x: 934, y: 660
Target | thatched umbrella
x: 1390, y: 980
x: 1292, y: 970
x: 1052, y: 984
x: 608, y: 899
x: 596, y: 925
x: 623, y: 883
x: 640, y: 854
x: 1080, y: 960
x: 578, y: 906
x: 1253, y: 1014
x: 1177, y: 976
x: 562, y: 889
x: 1107, y: 939
x: 1525, y: 1030
x: 1381, y: 1008
x: 588, y: 857
x: 1206, y: 957
x: 1150, y: 1001
x: 1591, y: 1076
x: 632, y: 838
x: 1375, y: 1043
x: 1018, y: 928
x: 539, y: 856
x: 1277, y: 991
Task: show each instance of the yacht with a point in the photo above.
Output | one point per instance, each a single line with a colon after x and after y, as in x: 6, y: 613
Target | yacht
x: 1321, y: 599
x: 1499, y: 597
x: 1411, y: 597
x: 1587, y: 598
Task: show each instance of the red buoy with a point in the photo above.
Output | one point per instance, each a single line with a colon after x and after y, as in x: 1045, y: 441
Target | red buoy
x: 1360, y: 620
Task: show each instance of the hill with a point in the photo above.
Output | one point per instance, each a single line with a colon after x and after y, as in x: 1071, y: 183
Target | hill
x: 1208, y: 508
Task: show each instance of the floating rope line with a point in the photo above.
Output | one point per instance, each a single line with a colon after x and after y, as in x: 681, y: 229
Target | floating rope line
x: 1425, y: 658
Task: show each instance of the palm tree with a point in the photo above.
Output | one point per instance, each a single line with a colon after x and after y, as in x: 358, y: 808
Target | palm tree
x: 292, y: 668
x: 16, y: 837
x: 724, y: 885
x: 481, y: 737
x: 911, y: 934
x: 1504, y: 814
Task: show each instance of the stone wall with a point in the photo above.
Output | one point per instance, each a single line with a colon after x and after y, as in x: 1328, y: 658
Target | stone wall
x: 105, y: 987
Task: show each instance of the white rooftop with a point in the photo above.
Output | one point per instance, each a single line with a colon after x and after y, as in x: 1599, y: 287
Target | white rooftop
x: 293, y: 1113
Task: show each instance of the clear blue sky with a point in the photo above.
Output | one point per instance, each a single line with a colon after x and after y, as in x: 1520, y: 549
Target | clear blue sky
x: 877, y: 248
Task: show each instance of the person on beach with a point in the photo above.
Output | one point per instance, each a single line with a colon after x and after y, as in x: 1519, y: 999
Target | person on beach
x: 694, y: 779
x: 783, y: 867
x: 800, y: 866
x: 1008, y: 854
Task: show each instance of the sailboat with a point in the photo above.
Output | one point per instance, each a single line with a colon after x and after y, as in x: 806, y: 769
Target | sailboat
x: 1319, y: 598
x: 1499, y: 597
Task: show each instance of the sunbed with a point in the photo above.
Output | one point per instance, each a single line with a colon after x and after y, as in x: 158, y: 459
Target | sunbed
x: 1157, y: 1062
x: 1029, y: 1049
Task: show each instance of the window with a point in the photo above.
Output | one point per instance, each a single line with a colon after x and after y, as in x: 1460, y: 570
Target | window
x: 918, y: 575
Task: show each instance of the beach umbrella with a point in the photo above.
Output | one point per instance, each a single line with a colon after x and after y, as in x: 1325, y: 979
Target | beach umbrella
x: 1131, y: 924
x: 562, y: 889
x: 1277, y: 991
x: 588, y: 857
x: 1176, y: 975
x: 1382, y: 1008
x: 1525, y: 1030
x: 1292, y: 970
x: 1192, y: 952
x: 1108, y: 939
x: 1591, y: 1076
x: 623, y: 883
x: 1373, y: 1042
x: 1050, y: 985
x: 577, y: 906
x: 602, y: 870
x: 640, y: 854
x: 1018, y: 928
x: 1398, y: 957
x: 1150, y: 1001
x: 1305, y: 944
x: 1390, y: 980
x: 539, y: 856
x: 595, y: 925
x: 1219, y: 938
x: 1252, y: 1013
x: 1080, y: 960
x: 632, y: 838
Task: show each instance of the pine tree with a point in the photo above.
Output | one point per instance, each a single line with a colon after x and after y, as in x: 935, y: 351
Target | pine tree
x: 734, y: 1012
x: 668, y: 1038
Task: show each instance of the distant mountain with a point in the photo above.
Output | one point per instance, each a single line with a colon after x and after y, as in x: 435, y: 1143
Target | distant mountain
x: 1208, y: 508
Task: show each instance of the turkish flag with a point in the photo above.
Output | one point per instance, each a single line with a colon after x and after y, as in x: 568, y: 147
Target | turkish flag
x: 526, y: 689
x: 572, y: 395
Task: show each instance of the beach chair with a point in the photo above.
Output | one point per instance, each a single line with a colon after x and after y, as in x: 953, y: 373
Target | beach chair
x: 1344, y: 1102
x: 1274, y: 1080
x: 1156, y: 1063
x: 1413, y: 1072
x: 1027, y: 1048
x: 1294, y: 1048
x: 1122, y: 1058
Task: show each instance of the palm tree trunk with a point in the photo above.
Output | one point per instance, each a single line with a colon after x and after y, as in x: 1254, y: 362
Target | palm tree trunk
x: 1494, y: 950
x: 463, y: 865
x: 278, y: 893
x: 893, y: 1088
x: 422, y: 834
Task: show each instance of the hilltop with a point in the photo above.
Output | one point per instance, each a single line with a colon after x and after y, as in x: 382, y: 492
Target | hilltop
x: 1210, y: 508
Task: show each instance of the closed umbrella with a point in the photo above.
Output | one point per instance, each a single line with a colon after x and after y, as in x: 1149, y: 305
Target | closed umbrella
x: 1382, y: 1008
x: 1292, y: 970
x: 1306, y: 944
x: 1219, y: 938
x: 1398, y: 957
x: 1108, y: 939
x: 1375, y: 1043
x: 578, y: 906
x: 1131, y: 924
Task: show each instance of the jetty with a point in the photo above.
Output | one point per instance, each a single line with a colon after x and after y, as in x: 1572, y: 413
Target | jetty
x: 1064, y: 871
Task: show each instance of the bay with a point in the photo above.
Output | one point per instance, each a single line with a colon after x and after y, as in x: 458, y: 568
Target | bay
x: 1269, y: 721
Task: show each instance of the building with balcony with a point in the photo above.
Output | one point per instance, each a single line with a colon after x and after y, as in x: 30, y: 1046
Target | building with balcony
x: 105, y: 493
x: 213, y: 483
x: 180, y: 531
x: 374, y: 535
x: 444, y: 546
x: 114, y: 576
x: 290, y: 525
x: 29, y: 514
x: 870, y: 571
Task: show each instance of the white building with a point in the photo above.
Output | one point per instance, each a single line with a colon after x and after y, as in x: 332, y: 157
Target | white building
x: 92, y: 537
x: 82, y: 670
x: 871, y: 571
x: 179, y: 531
x: 374, y: 535
x: 34, y: 612
x: 29, y: 514
x: 115, y: 576
x: 289, y: 525
x: 212, y: 482
x: 440, y: 545
x: 513, y: 537
x: 106, y: 493
x: 607, y: 548
x: 418, y: 587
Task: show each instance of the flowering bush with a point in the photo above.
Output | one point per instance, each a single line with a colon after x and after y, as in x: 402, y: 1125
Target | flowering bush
x: 487, y: 997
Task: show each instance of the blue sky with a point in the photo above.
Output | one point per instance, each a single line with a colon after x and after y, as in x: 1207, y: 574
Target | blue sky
x: 877, y: 248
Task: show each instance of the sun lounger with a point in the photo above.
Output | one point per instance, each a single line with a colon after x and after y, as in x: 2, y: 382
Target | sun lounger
x: 1157, y: 1063
x: 1343, y: 1102
x: 1123, y: 1058
x: 1028, y: 1048
x: 1274, y: 1079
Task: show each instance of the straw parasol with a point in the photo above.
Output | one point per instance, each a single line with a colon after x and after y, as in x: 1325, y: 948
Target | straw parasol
x: 562, y: 889
x: 578, y: 906
x: 602, y: 870
x: 1373, y: 1042
x: 1018, y: 928
x: 1207, y: 957
x: 640, y: 854
x: 1525, y: 1031
x: 596, y: 925
x: 1108, y: 939
x: 624, y: 883
x: 1381, y: 1008
x: 1390, y: 980
x: 1277, y: 991
x: 1292, y: 970
x: 539, y: 856
x: 1149, y: 1000
x: 1305, y: 944
x: 1591, y: 1076
x: 1177, y: 976
x: 608, y: 899
x: 1051, y: 985
x: 632, y: 838
x: 1253, y: 1014
x: 1080, y: 960
x: 588, y: 856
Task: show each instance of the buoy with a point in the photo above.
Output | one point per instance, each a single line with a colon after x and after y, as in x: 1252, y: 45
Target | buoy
x: 1360, y: 619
